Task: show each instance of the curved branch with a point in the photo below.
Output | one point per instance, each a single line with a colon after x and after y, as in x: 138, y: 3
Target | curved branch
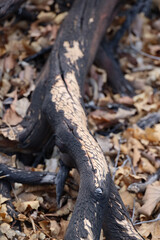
x: 26, y: 177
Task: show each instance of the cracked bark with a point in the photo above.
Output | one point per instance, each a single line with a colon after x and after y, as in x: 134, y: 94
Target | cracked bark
x: 57, y: 109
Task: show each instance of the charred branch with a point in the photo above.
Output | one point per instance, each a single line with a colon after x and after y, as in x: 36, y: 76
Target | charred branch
x: 141, y: 187
x: 26, y: 177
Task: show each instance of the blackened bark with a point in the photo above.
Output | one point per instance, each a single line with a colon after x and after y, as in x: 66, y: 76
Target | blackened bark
x: 26, y: 177
x: 141, y: 187
x: 8, y: 7
x: 115, y: 79
x: 117, y: 224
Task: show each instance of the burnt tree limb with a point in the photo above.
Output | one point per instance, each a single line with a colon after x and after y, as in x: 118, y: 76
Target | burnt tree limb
x: 57, y: 109
x: 141, y: 187
x: 105, y: 60
x: 26, y: 177
x: 8, y: 7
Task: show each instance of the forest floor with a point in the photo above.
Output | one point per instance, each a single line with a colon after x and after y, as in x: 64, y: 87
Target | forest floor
x: 130, y: 143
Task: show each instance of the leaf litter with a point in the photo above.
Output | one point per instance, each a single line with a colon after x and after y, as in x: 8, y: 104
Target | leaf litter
x: 133, y: 152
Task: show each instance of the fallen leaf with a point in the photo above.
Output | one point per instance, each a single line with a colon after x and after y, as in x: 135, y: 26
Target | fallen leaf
x: 5, y: 229
x: 44, y: 225
x: 150, y: 228
x: 151, y: 198
x: 4, y: 216
x: 21, y: 106
x: 11, y: 117
x: 146, y: 166
x: 125, y: 100
x: 3, y: 199
x: 127, y: 198
x: 60, y: 17
x: 64, y: 225
x: 54, y: 228
x: 22, y: 206
x: 5, y: 87
x: 66, y: 209
x: 9, y: 63
x: 136, y: 156
x: 104, y: 143
x: 46, y: 16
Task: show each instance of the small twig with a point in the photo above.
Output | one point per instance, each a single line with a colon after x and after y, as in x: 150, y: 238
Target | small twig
x: 4, y: 176
x: 38, y: 54
x: 124, y: 163
x: 140, y: 187
x: 149, y: 120
x: 143, y: 53
x: 143, y: 68
x: 149, y: 221
x: 33, y: 224
x: 130, y: 161
x: 132, y: 218
x: 26, y: 177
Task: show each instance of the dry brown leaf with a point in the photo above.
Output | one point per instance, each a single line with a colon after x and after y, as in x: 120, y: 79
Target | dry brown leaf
x: 66, y: 209
x: 123, y: 174
x: 3, y: 238
x: 152, y: 134
x: 64, y: 225
x: 125, y: 100
x: 151, y: 198
x: 5, y: 229
x: 105, y: 143
x: 122, y: 113
x: 11, y: 132
x: 27, y: 196
x: 44, y: 225
x: 5, y: 86
x: 9, y: 63
x: 150, y: 228
x: 99, y: 116
x: 3, y: 199
x: 22, y: 206
x: 136, y: 156
x: 127, y: 198
x: 24, y: 80
x: 11, y: 117
x: 21, y: 106
x: 134, y: 132
x: 146, y: 166
x: 60, y: 17
x: 4, y: 216
x: 8, y: 160
x: 54, y: 228
x: 22, y: 217
x: 46, y: 16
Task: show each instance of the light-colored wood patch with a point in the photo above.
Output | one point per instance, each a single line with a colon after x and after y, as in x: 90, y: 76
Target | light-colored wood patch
x: 68, y: 100
x: 88, y: 228
x: 73, y: 53
x: 129, y: 228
